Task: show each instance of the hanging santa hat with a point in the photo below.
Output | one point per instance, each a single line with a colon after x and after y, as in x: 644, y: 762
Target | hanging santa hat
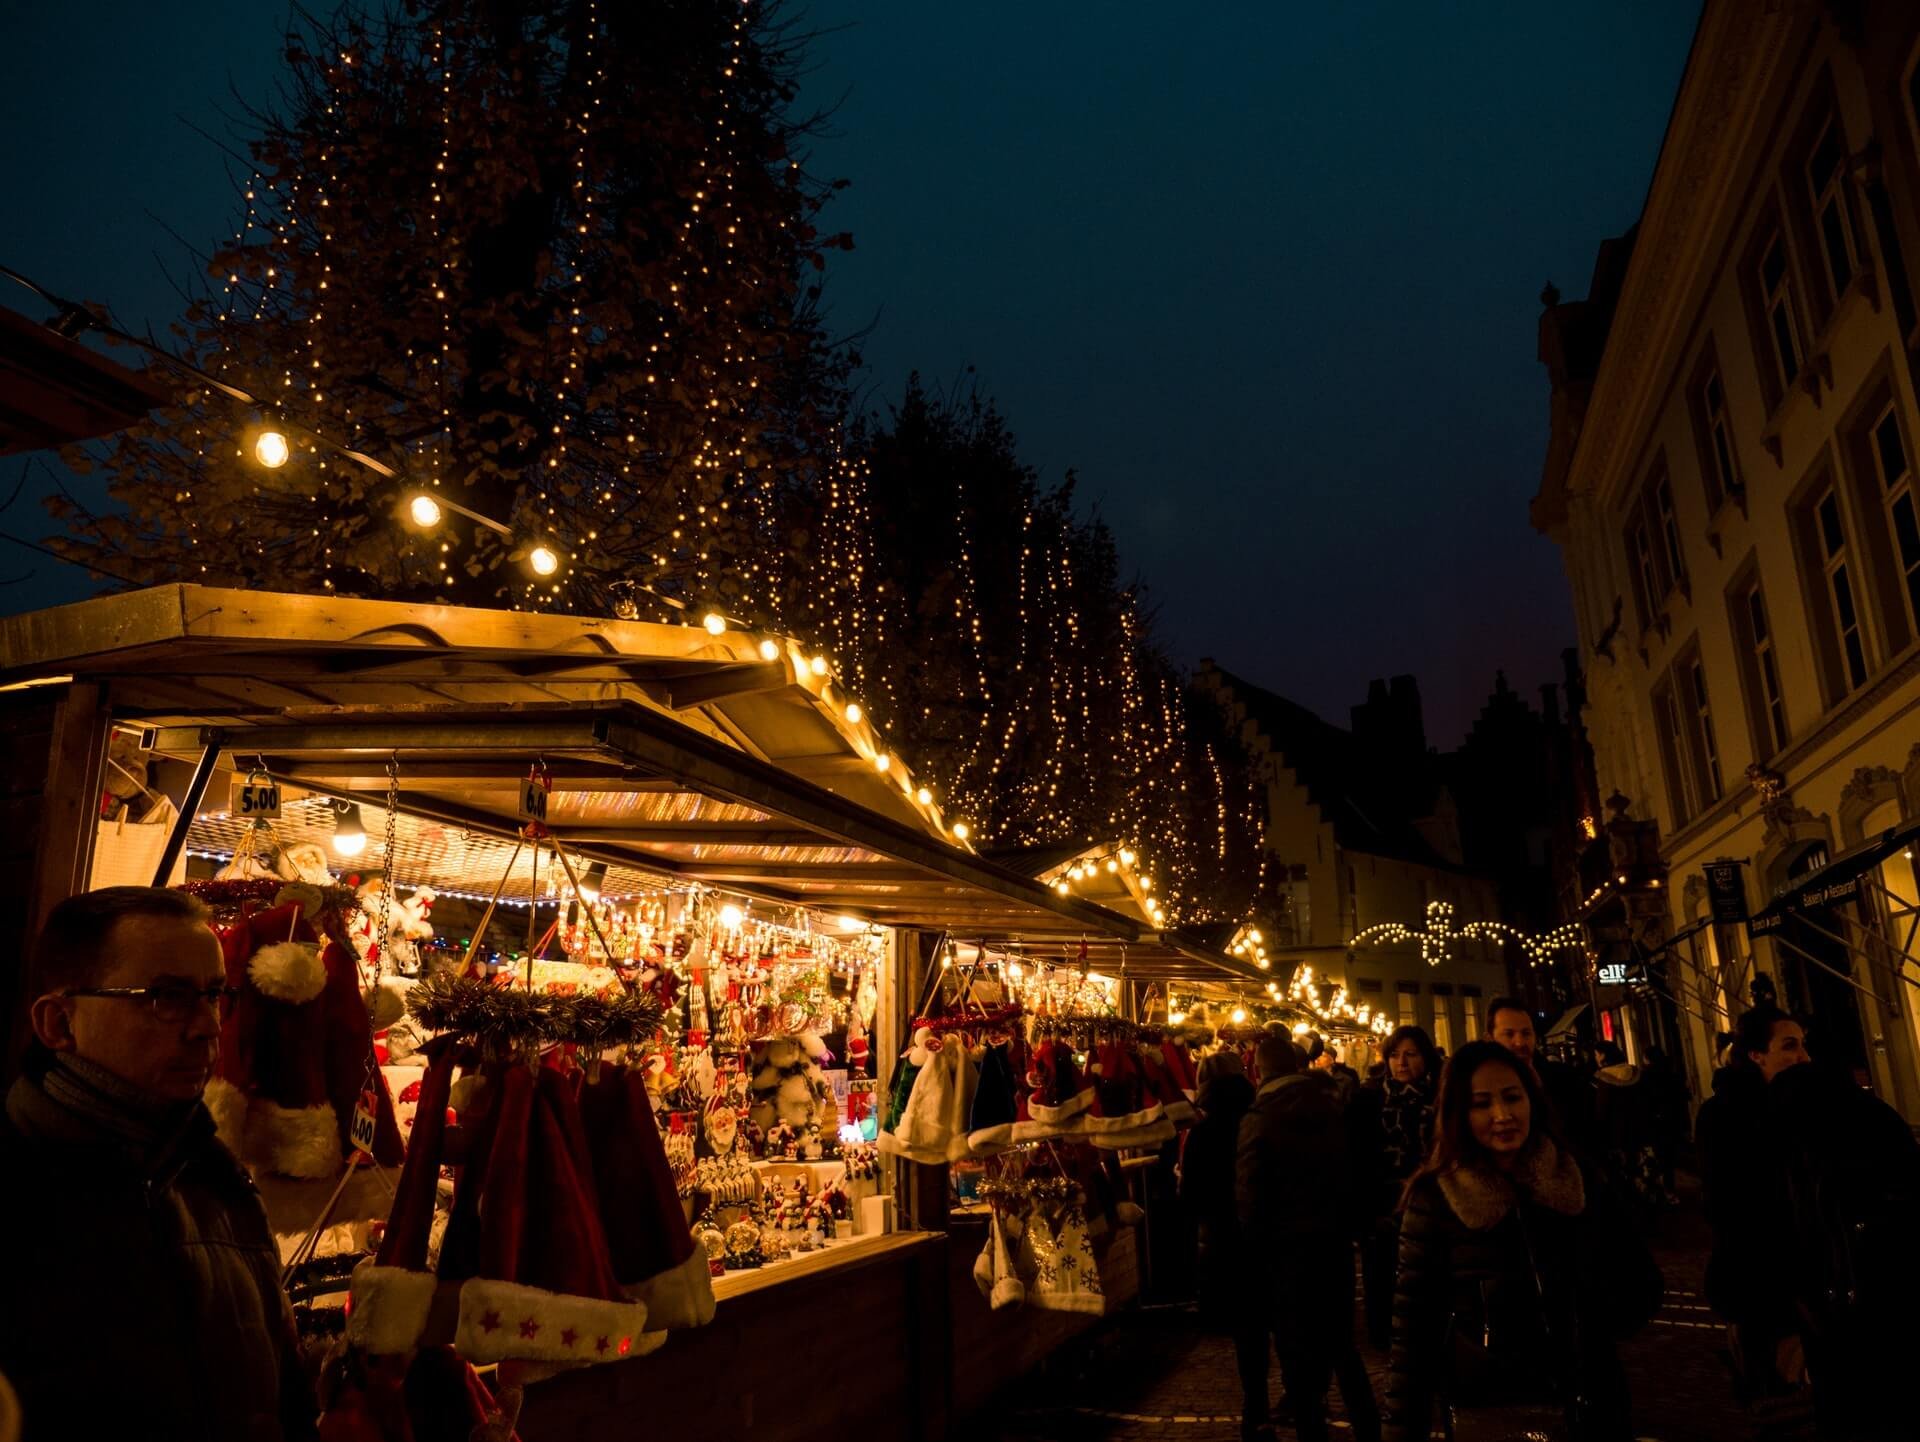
x: 525, y: 1252
x: 296, y: 1049
x: 651, y: 1247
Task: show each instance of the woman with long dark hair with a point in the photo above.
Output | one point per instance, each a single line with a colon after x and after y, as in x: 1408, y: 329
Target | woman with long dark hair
x: 1518, y: 1276
x: 1393, y: 1131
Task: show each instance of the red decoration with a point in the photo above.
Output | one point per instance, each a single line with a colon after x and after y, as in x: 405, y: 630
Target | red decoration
x: 529, y: 1328
x: 490, y: 1322
x: 602, y: 1344
x: 569, y: 1337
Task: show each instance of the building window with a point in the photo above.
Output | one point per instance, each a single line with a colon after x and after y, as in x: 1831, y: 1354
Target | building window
x: 1707, y: 782
x: 1470, y: 1017
x: 1776, y: 305
x: 1443, y: 1023
x: 1409, y: 1005
x: 1762, y: 668
x: 1896, y: 494
x: 1673, y: 750
x: 1723, y: 477
x: 1689, y: 745
x: 1843, y: 612
x: 1654, y: 552
x: 1826, y: 186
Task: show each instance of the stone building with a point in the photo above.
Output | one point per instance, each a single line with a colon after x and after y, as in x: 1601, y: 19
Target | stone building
x: 1362, y: 829
x: 1731, y: 478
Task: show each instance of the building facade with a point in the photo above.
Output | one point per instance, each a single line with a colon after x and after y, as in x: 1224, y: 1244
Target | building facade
x: 1361, y: 831
x: 1733, y: 478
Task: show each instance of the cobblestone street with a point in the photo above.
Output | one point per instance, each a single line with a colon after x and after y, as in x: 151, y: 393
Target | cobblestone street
x: 1151, y: 1373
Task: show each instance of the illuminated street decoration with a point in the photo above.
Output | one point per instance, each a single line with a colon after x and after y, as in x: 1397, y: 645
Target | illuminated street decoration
x: 1436, y: 941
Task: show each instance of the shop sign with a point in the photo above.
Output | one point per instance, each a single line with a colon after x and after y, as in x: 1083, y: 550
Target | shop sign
x: 360, y: 1130
x: 255, y: 798
x: 1614, y: 973
x: 1726, y: 892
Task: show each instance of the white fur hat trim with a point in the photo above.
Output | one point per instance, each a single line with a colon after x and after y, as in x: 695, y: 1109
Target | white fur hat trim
x: 501, y: 1320
x: 387, y: 1310
x: 288, y: 971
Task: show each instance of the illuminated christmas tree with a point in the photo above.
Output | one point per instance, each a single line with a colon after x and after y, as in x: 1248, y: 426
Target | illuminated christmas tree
x: 548, y: 263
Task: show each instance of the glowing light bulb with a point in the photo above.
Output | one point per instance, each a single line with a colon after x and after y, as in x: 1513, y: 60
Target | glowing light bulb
x: 1146, y: 883
x: 1262, y: 962
x: 854, y: 713
x: 270, y: 448
x: 1061, y: 887
x: 1126, y: 858
x: 1254, y: 937
x: 924, y: 796
x: 731, y: 916
x: 1112, y: 865
x: 1015, y: 970
x: 769, y: 651
x: 960, y: 830
x: 715, y: 623
x: 882, y: 762
x: 1174, y: 1018
x: 425, y: 511
x: 1239, y: 1015
x: 850, y: 923
x: 544, y: 560
x: 818, y: 665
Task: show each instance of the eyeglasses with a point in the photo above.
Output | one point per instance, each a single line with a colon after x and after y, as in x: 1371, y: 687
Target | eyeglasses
x: 172, y: 1002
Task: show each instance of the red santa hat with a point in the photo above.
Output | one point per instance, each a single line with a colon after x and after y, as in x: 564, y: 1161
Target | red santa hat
x: 525, y: 1252
x: 295, y: 1049
x: 652, y: 1250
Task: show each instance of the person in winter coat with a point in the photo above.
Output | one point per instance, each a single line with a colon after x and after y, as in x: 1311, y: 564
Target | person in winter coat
x: 1850, y: 1254
x: 1746, y: 1203
x: 1227, y: 1294
x: 142, y: 1296
x: 1626, y: 1115
x: 1517, y: 1273
x: 1569, y: 1093
x: 1393, y: 1131
x: 1298, y: 1198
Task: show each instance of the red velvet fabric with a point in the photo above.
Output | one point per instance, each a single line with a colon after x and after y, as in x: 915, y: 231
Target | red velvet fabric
x: 647, y: 1231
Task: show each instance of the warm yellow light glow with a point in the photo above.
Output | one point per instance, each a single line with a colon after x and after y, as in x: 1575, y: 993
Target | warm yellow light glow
x: 854, y: 713
x: 1146, y: 883
x: 882, y: 762
x: 818, y: 665
x: 1301, y: 1028
x: 960, y: 830
x: 544, y: 560
x: 270, y: 448
x: 1174, y: 1018
x: 425, y: 511
x: 1126, y: 857
x: 1016, y: 970
x: 1061, y: 887
x: 731, y: 916
x: 715, y: 623
x: 769, y: 651
x: 350, y: 843
x: 850, y: 923
x: 1112, y: 865
x: 925, y: 796
x: 1239, y: 1015
x: 1262, y: 963
x: 1254, y: 937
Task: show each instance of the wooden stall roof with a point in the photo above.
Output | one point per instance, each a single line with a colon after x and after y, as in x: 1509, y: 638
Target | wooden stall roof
x: 677, y: 754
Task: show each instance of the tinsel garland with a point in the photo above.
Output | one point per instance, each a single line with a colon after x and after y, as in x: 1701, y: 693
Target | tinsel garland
x: 508, y: 1021
x: 229, y: 895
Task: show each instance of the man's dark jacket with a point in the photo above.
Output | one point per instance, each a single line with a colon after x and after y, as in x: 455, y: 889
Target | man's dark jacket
x: 1295, y: 1174
x: 141, y: 1297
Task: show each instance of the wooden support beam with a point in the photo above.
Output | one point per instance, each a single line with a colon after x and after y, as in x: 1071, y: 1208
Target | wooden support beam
x: 685, y: 692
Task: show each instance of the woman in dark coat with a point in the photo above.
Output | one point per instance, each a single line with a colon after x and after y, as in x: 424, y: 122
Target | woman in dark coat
x: 1206, y: 1187
x: 1518, y: 1276
x: 1393, y: 1131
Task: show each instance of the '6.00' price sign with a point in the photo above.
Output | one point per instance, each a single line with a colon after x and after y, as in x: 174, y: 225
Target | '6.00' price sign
x: 534, y: 791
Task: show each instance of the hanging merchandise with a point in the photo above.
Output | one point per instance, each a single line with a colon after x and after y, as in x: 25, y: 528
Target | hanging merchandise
x: 296, y: 1047
x: 933, y: 1123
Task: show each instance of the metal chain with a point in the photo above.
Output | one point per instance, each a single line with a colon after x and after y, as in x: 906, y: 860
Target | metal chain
x: 387, y: 858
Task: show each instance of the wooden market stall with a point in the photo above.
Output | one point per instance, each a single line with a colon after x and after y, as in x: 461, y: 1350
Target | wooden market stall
x: 681, y: 763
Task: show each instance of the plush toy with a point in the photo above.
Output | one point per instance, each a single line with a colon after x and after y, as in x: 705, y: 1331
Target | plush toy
x: 788, y: 1084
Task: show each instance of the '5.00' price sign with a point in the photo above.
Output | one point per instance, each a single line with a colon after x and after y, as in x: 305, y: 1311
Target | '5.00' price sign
x: 257, y: 798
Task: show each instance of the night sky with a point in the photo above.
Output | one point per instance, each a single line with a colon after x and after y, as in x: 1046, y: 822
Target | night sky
x: 1266, y: 276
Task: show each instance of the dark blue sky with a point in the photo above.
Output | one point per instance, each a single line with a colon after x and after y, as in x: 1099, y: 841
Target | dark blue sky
x: 1266, y: 275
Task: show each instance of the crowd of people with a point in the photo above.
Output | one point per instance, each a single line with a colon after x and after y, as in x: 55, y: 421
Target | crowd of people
x: 1498, y: 1203
x: 1491, y: 1203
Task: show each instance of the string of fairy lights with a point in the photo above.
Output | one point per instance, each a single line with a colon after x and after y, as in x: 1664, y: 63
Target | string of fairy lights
x: 1437, y: 937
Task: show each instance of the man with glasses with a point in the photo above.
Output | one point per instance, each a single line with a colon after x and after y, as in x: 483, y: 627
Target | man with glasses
x: 142, y: 1295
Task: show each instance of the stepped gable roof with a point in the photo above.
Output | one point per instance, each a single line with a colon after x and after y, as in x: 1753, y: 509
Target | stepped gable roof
x: 1354, y: 793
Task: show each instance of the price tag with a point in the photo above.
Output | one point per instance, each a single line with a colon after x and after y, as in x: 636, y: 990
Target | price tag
x: 255, y: 798
x: 360, y: 1132
x: 533, y: 796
